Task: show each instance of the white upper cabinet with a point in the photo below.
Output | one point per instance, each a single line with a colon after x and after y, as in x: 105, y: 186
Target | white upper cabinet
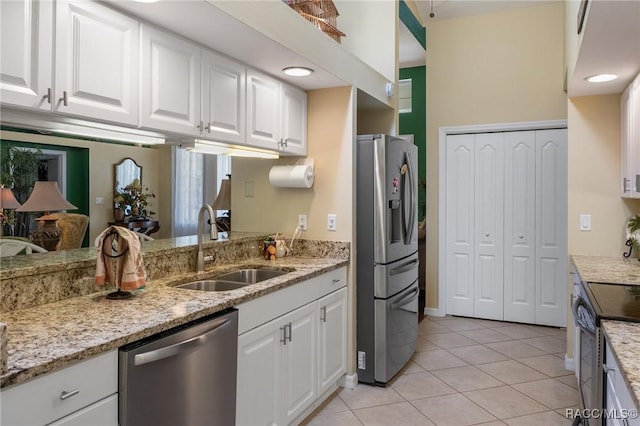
x: 96, y: 59
x: 96, y: 63
x: 26, y: 53
x: 223, y: 98
x: 170, y: 83
x: 293, y: 132
x: 630, y: 139
x: 263, y: 110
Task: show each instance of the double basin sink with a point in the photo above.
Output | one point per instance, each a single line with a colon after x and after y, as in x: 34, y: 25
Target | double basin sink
x: 233, y: 280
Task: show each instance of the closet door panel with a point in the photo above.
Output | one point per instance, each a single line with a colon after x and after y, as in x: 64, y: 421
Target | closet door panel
x: 519, y: 225
x: 488, y: 225
x: 551, y: 227
x: 460, y: 224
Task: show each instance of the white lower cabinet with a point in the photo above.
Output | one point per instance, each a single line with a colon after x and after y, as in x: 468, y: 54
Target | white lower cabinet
x: 332, y: 363
x: 621, y: 410
x: 82, y: 394
x: 286, y: 363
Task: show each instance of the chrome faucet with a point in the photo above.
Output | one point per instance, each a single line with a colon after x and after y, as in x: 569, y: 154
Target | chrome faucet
x: 201, y: 259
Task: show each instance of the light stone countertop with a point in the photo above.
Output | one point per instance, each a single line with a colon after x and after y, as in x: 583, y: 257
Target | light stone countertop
x: 624, y: 338
x: 608, y: 269
x: 51, y: 336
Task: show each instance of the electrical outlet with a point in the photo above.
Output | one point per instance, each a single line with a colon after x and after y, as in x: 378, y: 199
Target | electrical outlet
x: 331, y: 222
x: 302, y: 221
x: 362, y: 360
x: 99, y: 201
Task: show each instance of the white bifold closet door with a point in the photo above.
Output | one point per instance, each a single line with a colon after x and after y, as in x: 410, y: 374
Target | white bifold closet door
x: 506, y: 204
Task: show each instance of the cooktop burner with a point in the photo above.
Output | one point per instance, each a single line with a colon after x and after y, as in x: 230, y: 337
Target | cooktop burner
x: 615, y: 301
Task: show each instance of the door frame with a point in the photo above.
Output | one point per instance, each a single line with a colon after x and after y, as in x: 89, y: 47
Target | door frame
x: 443, y: 132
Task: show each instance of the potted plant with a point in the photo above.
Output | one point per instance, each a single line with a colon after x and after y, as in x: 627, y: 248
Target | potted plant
x: 133, y: 200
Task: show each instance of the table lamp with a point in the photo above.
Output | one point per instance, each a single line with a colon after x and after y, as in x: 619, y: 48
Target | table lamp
x: 46, y: 197
x: 223, y: 202
x: 7, y: 201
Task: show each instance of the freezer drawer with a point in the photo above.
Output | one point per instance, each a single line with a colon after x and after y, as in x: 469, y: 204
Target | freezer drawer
x: 394, y: 277
x: 184, y: 376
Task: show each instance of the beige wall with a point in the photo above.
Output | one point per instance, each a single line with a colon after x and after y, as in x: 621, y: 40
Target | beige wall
x: 330, y: 141
x: 594, y: 177
x: 496, y: 68
x: 102, y: 157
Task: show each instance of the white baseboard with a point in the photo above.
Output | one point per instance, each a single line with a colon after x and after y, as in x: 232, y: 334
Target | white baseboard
x: 349, y: 381
x: 569, y: 363
x: 433, y: 312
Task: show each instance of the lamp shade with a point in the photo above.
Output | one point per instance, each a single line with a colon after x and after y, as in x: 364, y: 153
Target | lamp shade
x: 223, y: 200
x: 7, y: 200
x: 46, y: 197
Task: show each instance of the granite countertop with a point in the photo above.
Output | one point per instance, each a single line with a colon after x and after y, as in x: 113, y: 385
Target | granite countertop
x: 624, y: 338
x: 52, y: 336
x: 608, y: 269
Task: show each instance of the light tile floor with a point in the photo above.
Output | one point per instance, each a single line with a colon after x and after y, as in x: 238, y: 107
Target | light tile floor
x: 467, y: 372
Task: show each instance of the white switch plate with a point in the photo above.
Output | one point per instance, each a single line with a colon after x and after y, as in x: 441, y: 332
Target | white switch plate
x: 302, y: 221
x: 99, y: 201
x: 585, y: 222
x: 331, y: 222
x: 248, y: 188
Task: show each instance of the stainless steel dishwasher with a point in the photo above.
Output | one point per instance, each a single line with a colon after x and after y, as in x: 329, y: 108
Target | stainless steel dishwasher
x: 183, y: 376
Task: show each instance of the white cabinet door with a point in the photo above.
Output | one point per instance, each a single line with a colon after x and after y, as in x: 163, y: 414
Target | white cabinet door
x: 102, y: 413
x: 223, y: 98
x: 519, y: 227
x: 551, y: 227
x: 170, y: 83
x: 488, y: 225
x: 300, y: 375
x: 26, y: 53
x: 332, y: 339
x: 259, y: 375
x: 630, y: 139
x: 96, y: 62
x: 293, y: 134
x: 460, y: 224
x: 263, y: 110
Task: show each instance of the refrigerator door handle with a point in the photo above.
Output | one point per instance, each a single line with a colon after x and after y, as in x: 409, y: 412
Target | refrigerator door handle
x: 408, y: 224
x: 405, y: 301
x: 405, y: 267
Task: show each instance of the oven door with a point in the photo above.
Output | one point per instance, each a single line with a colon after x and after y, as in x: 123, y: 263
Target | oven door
x: 590, y: 379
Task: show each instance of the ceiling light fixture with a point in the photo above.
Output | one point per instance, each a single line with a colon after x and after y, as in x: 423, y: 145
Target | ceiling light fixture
x: 601, y: 78
x: 297, y: 71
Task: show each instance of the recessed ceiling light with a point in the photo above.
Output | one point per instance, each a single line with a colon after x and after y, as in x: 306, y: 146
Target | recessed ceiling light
x: 601, y: 78
x: 297, y: 71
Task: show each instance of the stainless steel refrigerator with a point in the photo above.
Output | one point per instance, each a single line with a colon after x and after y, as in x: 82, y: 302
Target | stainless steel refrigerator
x: 386, y: 255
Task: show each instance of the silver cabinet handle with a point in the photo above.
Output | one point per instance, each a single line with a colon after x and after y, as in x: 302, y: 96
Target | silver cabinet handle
x: 208, y: 127
x: 335, y: 280
x: 521, y: 236
x: 200, y: 126
x: 283, y: 143
x: 48, y: 96
x: 486, y: 234
x: 64, y: 99
x: 323, y: 314
x: 66, y: 395
x: 176, y: 348
x: 284, y: 333
x: 608, y: 370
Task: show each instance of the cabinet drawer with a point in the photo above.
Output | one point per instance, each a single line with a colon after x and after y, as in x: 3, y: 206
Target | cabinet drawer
x: 332, y: 281
x: 53, y: 396
x: 102, y: 413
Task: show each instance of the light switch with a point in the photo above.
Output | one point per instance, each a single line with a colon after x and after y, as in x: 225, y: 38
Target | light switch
x: 585, y: 222
x: 99, y: 201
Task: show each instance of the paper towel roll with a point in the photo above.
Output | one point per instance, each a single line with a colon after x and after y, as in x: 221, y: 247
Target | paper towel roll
x: 291, y: 176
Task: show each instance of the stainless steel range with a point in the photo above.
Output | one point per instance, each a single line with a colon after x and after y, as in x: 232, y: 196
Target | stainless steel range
x: 595, y: 302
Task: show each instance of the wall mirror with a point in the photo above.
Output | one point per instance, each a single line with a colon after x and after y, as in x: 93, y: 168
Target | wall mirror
x: 125, y: 172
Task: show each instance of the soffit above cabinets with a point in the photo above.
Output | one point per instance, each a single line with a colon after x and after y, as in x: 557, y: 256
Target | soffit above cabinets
x: 204, y: 23
x: 610, y: 44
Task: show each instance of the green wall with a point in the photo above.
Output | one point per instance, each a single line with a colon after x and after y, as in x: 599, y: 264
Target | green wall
x: 77, y: 175
x: 415, y: 123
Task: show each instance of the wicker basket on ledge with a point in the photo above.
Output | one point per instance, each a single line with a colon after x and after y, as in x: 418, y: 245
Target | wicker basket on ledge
x: 321, y: 13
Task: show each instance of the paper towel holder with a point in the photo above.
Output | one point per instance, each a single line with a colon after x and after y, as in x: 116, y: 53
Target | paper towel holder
x: 298, y: 182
